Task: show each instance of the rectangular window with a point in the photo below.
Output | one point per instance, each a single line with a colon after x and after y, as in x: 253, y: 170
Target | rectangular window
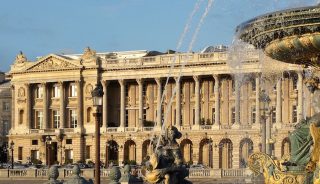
x: 127, y: 118
x: 88, y: 152
x: 175, y: 117
x: 56, y: 118
x: 253, y: 115
x: 34, y: 155
x: 233, y: 115
x: 5, y: 127
x: 213, y: 115
x: 73, y: 90
x: 39, y: 92
x: 144, y: 116
x: 56, y: 91
x: 294, y: 83
x: 34, y: 142
x: 294, y: 114
x: 233, y: 87
x: 69, y: 155
x: 144, y: 90
x: 68, y: 141
x: 253, y: 85
x: 73, y: 118
x: 6, y: 106
x: 20, y: 149
x: 193, y: 116
x: 39, y: 120
x: 273, y: 115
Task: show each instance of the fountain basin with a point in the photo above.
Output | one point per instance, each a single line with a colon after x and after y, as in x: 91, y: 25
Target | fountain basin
x: 291, y: 35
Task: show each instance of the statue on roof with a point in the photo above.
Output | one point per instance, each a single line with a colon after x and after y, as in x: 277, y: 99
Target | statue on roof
x: 88, y: 54
x: 20, y: 58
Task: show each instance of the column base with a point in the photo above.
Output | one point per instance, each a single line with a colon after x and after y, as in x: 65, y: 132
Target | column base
x: 157, y: 128
x: 277, y: 125
x: 120, y: 129
x: 235, y: 126
x: 195, y: 127
x: 215, y: 127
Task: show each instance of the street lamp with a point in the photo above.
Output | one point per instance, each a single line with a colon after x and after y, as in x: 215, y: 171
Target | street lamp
x: 97, y: 96
x: 48, y: 142
x: 264, y: 101
x: 11, y: 148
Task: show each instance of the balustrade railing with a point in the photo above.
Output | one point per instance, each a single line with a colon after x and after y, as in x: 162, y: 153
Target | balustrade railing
x: 112, y: 129
x: 148, y: 129
x: 130, y: 129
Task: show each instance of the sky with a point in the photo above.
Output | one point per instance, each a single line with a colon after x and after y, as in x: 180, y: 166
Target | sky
x: 41, y: 27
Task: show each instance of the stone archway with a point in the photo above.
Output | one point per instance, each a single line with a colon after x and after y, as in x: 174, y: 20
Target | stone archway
x: 285, y: 147
x: 205, y: 153
x: 112, y: 153
x: 225, y: 154
x: 129, y: 151
x: 146, y: 149
x: 246, y: 149
x: 186, y: 150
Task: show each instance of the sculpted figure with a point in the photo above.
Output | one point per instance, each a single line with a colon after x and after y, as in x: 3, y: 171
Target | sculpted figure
x: 166, y: 162
x: 76, y: 178
x: 53, y: 174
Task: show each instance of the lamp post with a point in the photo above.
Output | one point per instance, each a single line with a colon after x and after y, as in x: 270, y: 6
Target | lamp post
x: 97, y: 96
x: 264, y: 101
x: 11, y: 148
x: 48, y: 142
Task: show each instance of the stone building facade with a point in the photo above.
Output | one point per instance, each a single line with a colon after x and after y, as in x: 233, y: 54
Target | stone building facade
x: 219, y: 117
x: 5, y: 108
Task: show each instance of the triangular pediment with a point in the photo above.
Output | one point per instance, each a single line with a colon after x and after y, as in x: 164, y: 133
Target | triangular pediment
x: 53, y: 62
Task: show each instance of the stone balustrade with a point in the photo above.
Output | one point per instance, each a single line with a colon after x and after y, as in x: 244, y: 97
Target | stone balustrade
x: 89, y: 173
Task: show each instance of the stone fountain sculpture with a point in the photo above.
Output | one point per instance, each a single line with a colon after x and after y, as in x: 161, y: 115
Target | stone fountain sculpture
x: 76, y: 178
x: 53, y: 174
x: 291, y: 36
x: 166, y: 163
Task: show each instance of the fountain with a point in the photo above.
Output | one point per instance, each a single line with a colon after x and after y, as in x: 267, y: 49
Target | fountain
x: 291, y: 36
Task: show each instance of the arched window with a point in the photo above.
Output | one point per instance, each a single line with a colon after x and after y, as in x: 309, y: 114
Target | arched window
x: 225, y: 154
x: 206, y: 151
x: 129, y: 151
x: 246, y: 149
x: 285, y: 147
x: 186, y: 150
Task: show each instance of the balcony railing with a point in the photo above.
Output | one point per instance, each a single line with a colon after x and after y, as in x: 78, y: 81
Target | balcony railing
x: 34, y: 131
x: 112, y: 129
x: 68, y: 130
x: 148, y: 129
x: 131, y: 129
x: 205, y: 127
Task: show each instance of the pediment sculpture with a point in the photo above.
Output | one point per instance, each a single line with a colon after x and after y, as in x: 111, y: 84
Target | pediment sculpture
x: 20, y: 58
x: 52, y: 63
x: 88, y: 54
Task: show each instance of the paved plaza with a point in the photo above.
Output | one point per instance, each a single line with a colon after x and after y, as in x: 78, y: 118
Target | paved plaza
x: 197, y: 181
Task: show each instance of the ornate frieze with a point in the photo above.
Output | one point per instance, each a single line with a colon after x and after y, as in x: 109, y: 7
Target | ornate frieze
x: 52, y: 63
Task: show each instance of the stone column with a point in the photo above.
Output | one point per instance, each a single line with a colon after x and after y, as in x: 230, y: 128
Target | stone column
x: 195, y: 154
x: 215, y: 155
x: 237, y: 102
x: 178, y: 101
x: 105, y: 104
x: 13, y: 106
x: 263, y: 134
x: 217, y: 102
x: 300, y: 96
x: 122, y: 104
x: 279, y: 105
x: 45, y: 106
x: 159, y: 105
x: 197, y: 101
x: 235, y: 155
x: 140, y: 83
x: 28, y: 106
x: 80, y: 102
x: 268, y: 133
x: 257, y: 123
x: 62, y: 105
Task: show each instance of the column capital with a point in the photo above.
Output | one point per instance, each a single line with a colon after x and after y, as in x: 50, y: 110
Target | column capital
x: 177, y: 79
x: 216, y: 77
x: 78, y: 81
x: 140, y: 81
x: 43, y: 84
x: 105, y: 83
x: 196, y: 78
x: 158, y: 80
x: 27, y: 85
x: 122, y: 82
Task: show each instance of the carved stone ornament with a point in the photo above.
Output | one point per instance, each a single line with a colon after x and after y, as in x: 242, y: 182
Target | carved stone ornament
x: 20, y: 58
x: 21, y: 92
x: 89, y: 89
x: 88, y: 54
x: 52, y: 64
